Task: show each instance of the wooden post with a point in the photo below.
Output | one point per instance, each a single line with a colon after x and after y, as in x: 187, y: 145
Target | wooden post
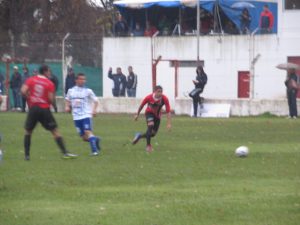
x: 176, y: 65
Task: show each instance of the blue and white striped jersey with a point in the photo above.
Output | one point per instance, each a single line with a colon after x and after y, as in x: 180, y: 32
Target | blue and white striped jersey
x: 81, y: 99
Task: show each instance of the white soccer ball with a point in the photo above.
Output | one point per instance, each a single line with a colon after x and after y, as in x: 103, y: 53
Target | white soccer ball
x: 242, y: 151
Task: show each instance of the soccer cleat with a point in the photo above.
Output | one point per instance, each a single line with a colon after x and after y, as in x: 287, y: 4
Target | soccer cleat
x: 98, y: 140
x: 136, y: 138
x: 149, y: 148
x: 69, y: 156
x: 95, y: 153
x: 27, y: 158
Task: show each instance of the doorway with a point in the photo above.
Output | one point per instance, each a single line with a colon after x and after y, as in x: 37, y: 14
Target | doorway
x: 243, y: 84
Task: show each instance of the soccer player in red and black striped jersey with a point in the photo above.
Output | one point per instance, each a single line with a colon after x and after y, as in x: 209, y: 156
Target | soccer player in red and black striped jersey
x: 155, y: 102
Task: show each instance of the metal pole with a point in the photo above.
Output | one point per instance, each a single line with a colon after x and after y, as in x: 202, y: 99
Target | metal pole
x: 198, y: 31
x: 252, y: 60
x: 63, y: 67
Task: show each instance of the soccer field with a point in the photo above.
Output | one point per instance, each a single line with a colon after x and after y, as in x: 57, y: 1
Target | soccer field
x: 191, y: 178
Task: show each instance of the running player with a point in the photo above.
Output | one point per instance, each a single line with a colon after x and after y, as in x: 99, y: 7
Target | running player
x: 39, y: 92
x: 83, y: 103
x: 155, y: 102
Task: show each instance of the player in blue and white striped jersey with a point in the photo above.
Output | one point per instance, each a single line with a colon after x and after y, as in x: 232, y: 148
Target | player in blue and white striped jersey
x: 83, y: 103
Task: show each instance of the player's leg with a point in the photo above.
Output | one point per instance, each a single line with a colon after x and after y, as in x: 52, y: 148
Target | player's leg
x: 27, y: 143
x: 152, y: 131
x: 156, y: 126
x: 89, y: 136
x: 48, y: 122
x: 149, y: 132
x: 139, y: 135
x: 30, y: 123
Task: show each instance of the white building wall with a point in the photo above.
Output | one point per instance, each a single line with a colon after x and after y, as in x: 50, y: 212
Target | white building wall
x: 224, y: 56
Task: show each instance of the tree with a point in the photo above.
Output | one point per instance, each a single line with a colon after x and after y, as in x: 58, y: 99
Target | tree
x: 34, y: 28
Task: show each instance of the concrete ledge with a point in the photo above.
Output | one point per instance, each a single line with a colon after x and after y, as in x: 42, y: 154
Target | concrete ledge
x: 239, y: 107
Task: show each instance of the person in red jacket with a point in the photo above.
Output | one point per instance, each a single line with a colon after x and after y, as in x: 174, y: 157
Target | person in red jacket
x: 266, y: 21
x: 155, y: 102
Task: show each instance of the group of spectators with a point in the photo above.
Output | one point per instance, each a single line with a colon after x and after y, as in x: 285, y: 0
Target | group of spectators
x: 15, y: 83
x: 121, y: 28
x: 121, y: 83
x: 166, y: 26
x: 18, y: 78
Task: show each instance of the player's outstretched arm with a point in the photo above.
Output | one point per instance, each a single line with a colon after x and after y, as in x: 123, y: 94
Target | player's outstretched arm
x: 24, y: 90
x: 140, y: 109
x: 67, y: 106
x: 169, y: 125
x: 94, y: 112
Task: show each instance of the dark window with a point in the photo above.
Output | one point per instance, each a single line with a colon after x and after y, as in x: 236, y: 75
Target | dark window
x: 292, y: 4
x: 186, y: 63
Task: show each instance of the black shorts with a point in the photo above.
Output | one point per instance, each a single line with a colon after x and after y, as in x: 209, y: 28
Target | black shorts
x: 44, y: 116
x: 151, y: 117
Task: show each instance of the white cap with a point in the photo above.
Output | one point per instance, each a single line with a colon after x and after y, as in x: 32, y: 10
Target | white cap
x: 16, y: 68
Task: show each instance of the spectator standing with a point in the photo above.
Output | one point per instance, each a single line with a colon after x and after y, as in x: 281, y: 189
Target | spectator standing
x: 1, y: 88
x: 119, y: 82
x: 150, y: 29
x: 291, y: 90
x: 138, y: 31
x: 245, y: 20
x: 24, y: 78
x: 70, y: 80
x: 266, y: 20
x: 131, y: 83
x: 15, y: 85
x: 123, y: 85
x: 35, y: 72
x: 199, y: 82
x: 55, y: 81
x: 0, y: 98
x: 164, y: 25
x: 121, y: 27
x: 2, y: 82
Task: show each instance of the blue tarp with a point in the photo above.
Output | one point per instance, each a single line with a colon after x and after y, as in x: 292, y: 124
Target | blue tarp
x: 225, y: 5
x: 234, y: 13
x: 143, y: 4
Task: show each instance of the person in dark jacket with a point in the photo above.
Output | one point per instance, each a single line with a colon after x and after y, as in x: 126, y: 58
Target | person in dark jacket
x: 0, y: 96
x: 2, y: 82
x: 131, y: 83
x: 70, y: 80
x: 266, y: 21
x: 24, y: 78
x: 55, y: 81
x: 121, y: 27
x: 15, y: 85
x: 291, y: 91
x: 199, y: 82
x: 245, y: 19
x: 119, y: 82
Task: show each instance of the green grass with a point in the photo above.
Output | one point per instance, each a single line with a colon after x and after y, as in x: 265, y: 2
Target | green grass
x: 191, y: 178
